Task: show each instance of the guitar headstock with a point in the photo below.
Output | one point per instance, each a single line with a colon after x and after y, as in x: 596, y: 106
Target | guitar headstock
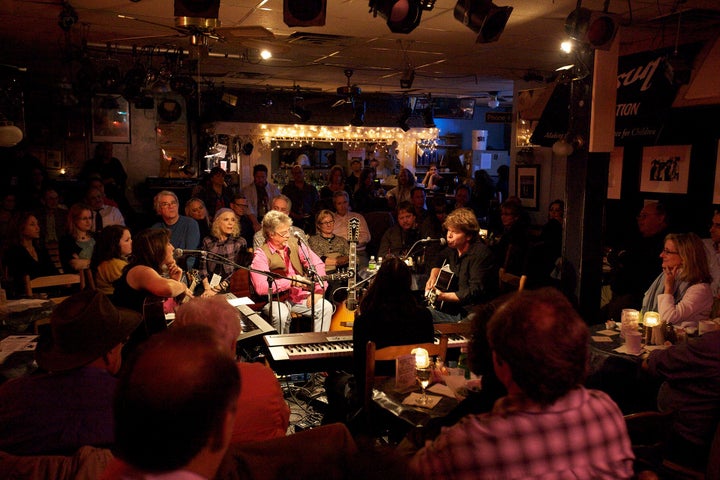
x: 353, y: 230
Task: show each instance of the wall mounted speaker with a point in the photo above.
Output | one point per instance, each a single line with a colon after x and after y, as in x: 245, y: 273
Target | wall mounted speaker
x: 304, y: 13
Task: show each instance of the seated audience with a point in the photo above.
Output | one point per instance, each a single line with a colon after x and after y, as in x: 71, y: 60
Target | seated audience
x: 681, y: 293
x: 281, y: 203
x: 195, y: 208
x: 247, y: 221
x: 691, y: 388
x: 265, y: 414
x: 52, y: 217
x: 214, y: 192
x: 403, y: 191
x: 473, y: 265
x: 389, y: 315
x: 463, y: 198
x: 25, y: 255
x: 110, y: 256
x: 260, y: 193
x: 342, y: 217
x: 365, y: 198
x: 512, y: 244
x: 69, y: 405
x: 184, y: 231
x: 433, y: 180
x: 304, y: 198
x: 175, y: 407
x: 336, y: 183
x: 353, y: 179
x: 483, y: 194
x: 551, y: 238
x: 280, y: 254
x: 398, y: 239
x: 225, y: 241
x: 332, y: 249
x: 712, y: 249
x: 417, y: 198
x: 103, y: 215
x: 77, y: 246
x: 549, y: 425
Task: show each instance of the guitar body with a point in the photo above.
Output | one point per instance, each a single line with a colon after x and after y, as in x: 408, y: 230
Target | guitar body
x: 344, y: 316
x: 442, y: 284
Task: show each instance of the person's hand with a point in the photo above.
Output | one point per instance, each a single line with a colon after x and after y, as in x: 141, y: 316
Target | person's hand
x: 670, y: 275
x: 174, y: 271
x: 208, y: 293
x: 79, y: 263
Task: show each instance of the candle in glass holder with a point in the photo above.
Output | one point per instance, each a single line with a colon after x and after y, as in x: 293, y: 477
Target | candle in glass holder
x: 652, y: 322
x: 422, y: 359
x: 628, y: 320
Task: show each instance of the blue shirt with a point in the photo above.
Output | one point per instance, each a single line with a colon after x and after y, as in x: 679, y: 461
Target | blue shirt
x: 184, y: 234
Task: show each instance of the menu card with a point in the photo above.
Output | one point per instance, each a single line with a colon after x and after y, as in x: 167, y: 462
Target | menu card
x: 405, y: 372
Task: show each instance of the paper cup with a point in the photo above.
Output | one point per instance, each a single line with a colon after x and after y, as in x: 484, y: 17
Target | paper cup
x: 633, y: 341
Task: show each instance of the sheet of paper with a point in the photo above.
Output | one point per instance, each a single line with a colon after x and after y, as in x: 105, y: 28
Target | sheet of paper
x: 414, y: 400
x: 601, y: 338
x: 16, y: 343
x: 608, y: 332
x: 405, y: 372
x: 240, y: 301
x: 441, y: 389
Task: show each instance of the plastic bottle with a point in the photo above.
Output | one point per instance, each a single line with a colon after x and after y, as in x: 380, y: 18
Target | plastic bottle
x: 371, y: 264
x: 379, y: 262
x: 463, y: 361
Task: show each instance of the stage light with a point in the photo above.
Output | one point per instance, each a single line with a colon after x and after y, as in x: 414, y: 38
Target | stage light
x: 428, y: 120
x: 402, y: 16
x: 403, y: 120
x: 301, y: 113
x: 407, y: 78
x: 483, y: 17
x: 597, y: 29
x: 304, y: 13
x: 358, y: 119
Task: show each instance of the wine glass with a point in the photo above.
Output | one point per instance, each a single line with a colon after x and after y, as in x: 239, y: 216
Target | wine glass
x: 423, y: 376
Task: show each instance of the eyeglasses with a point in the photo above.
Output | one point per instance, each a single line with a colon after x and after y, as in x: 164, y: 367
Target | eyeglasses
x: 240, y: 204
x: 168, y: 204
x: 669, y: 252
x: 285, y: 234
x: 329, y: 222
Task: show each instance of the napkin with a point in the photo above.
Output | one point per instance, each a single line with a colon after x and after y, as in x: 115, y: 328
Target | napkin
x: 414, y: 400
x: 623, y: 349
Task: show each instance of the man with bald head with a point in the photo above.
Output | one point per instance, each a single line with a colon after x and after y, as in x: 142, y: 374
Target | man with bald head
x: 175, y: 407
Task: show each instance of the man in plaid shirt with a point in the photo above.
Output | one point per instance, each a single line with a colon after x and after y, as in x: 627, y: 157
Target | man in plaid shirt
x: 549, y: 425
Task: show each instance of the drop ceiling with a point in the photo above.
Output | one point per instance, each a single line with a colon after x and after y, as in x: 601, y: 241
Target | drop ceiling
x: 441, y: 50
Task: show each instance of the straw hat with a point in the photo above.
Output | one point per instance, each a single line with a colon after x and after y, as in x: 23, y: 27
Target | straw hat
x: 84, y: 327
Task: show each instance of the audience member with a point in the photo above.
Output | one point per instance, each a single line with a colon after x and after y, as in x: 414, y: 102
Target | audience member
x: 511, y: 246
x: 691, y: 388
x: 432, y: 180
x: 304, y: 198
x: 103, y: 215
x: 483, y: 194
x: 403, y: 191
x: 549, y: 425
x: 71, y: 405
x: 341, y: 201
x: 77, y: 246
x: 712, y: 249
x: 195, y: 208
x: 152, y: 271
x: 175, y: 407
x: 389, y: 315
x: 417, y: 198
x: 96, y: 182
x: 635, y: 266
x: 353, y: 178
x: 503, y: 179
x: 551, y: 237
x: 260, y: 193
x: 281, y: 203
x: 281, y: 254
x: 681, y: 293
x: 265, y: 414
x: 31, y: 184
x: 336, y: 183
x: 398, y: 239
x: 473, y: 266
x: 184, y: 231
x: 215, y: 193
x: 52, y: 217
x: 110, y: 256
x: 110, y: 169
x: 224, y: 241
x: 364, y: 198
x: 462, y: 198
x: 332, y: 249
x: 8, y: 211
x: 25, y: 255
x: 247, y: 221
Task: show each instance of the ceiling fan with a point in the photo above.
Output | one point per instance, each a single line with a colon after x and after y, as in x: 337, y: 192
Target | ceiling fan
x: 348, y: 91
x: 495, y: 98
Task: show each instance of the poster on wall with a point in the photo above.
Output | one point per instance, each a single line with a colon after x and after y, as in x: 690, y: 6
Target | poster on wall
x: 716, y: 191
x: 665, y: 169
x: 615, y: 173
x: 110, y: 119
x: 527, y: 180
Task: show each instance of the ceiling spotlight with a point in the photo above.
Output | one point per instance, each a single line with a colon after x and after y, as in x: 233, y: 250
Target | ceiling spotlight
x: 358, y: 119
x: 403, y: 120
x: 482, y: 17
x: 493, y: 102
x: 428, y: 120
x: 402, y: 16
x: 566, y: 46
x: 265, y: 54
x: 406, y: 80
x: 597, y: 29
x: 301, y: 113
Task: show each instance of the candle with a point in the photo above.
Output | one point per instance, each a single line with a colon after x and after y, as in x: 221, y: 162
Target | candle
x: 422, y: 359
x: 651, y: 319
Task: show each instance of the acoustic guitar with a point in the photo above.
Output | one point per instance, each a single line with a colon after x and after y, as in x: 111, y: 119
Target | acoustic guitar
x: 344, y: 315
x: 442, y: 284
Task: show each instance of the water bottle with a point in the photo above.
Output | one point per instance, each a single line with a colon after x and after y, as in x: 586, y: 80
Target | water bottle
x: 371, y: 264
x: 463, y: 362
x: 379, y: 262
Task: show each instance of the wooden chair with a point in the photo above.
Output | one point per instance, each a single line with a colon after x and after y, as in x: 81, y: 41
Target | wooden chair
x: 374, y: 355
x: 509, y: 281
x: 72, y: 282
x: 89, y: 278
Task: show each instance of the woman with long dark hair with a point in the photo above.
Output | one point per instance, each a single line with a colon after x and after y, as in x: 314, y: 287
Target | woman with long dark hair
x: 25, y: 254
x: 110, y: 256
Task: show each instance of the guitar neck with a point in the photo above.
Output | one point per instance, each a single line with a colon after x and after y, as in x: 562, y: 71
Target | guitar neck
x: 352, y: 260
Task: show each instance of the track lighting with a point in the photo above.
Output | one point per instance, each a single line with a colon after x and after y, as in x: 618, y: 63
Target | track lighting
x: 596, y: 29
x: 358, y: 119
x: 403, y: 120
x: 402, y: 16
x: 482, y: 17
x: 407, y: 78
x: 301, y: 113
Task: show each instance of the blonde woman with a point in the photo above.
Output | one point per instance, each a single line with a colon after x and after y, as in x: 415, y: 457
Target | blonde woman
x: 681, y: 293
x: 76, y: 248
x: 225, y: 241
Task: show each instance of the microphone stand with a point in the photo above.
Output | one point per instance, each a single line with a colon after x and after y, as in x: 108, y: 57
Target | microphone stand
x: 314, y: 276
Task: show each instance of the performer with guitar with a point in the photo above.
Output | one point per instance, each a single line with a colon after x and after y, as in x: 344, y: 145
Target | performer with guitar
x: 281, y: 254
x: 473, y: 270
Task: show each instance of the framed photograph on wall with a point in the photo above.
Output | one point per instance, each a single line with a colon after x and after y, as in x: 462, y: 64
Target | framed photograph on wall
x: 527, y: 183
x: 110, y: 119
x: 615, y: 173
x: 665, y: 169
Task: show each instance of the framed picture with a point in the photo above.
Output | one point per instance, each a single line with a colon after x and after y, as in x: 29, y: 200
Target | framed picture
x: 615, y: 173
x: 110, y: 119
x: 53, y: 159
x: 527, y: 182
x: 665, y: 169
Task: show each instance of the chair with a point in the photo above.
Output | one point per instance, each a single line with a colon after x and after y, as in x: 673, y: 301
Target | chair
x: 65, y: 283
x: 89, y: 278
x: 373, y: 355
x: 509, y: 281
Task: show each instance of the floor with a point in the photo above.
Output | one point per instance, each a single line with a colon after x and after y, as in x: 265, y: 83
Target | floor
x: 305, y: 394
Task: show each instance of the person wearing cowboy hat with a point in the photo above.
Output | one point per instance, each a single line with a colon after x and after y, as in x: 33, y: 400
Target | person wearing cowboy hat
x: 68, y: 404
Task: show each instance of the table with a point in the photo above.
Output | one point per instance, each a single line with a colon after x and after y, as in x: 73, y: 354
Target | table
x: 391, y: 400
x: 18, y: 317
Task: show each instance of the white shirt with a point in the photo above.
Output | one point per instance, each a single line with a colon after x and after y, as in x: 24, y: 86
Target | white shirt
x: 713, y: 258
x: 110, y: 216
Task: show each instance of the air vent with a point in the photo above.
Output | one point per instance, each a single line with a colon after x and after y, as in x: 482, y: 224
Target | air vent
x: 318, y: 39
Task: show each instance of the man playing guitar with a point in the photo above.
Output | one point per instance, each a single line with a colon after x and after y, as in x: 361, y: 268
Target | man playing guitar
x: 474, y: 267
x: 284, y: 255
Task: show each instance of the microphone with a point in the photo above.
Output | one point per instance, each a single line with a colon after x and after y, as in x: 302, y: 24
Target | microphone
x: 441, y: 240
x: 300, y: 237
x: 180, y: 252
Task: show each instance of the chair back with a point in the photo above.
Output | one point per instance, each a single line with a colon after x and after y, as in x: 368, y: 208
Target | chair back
x: 510, y: 282
x: 373, y: 355
x: 68, y: 280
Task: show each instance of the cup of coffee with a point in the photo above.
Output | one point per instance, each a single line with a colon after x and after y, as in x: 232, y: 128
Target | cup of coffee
x: 633, y: 341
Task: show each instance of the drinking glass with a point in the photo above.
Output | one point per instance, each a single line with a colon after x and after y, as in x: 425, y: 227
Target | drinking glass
x: 423, y: 376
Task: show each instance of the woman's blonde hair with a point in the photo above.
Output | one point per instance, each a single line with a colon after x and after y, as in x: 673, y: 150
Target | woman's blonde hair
x: 694, y: 259
x: 215, y: 229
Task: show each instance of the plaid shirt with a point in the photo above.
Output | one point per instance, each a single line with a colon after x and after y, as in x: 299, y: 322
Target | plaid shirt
x: 581, y: 435
x: 229, y: 249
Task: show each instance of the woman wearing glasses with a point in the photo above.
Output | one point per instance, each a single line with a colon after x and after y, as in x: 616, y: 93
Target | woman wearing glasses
x: 76, y: 248
x: 681, y: 293
x: 332, y: 249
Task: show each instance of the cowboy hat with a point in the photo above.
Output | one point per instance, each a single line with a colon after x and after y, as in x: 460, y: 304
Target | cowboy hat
x: 84, y: 327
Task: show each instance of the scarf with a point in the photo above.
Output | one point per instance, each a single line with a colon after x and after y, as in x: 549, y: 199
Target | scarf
x: 650, y: 303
